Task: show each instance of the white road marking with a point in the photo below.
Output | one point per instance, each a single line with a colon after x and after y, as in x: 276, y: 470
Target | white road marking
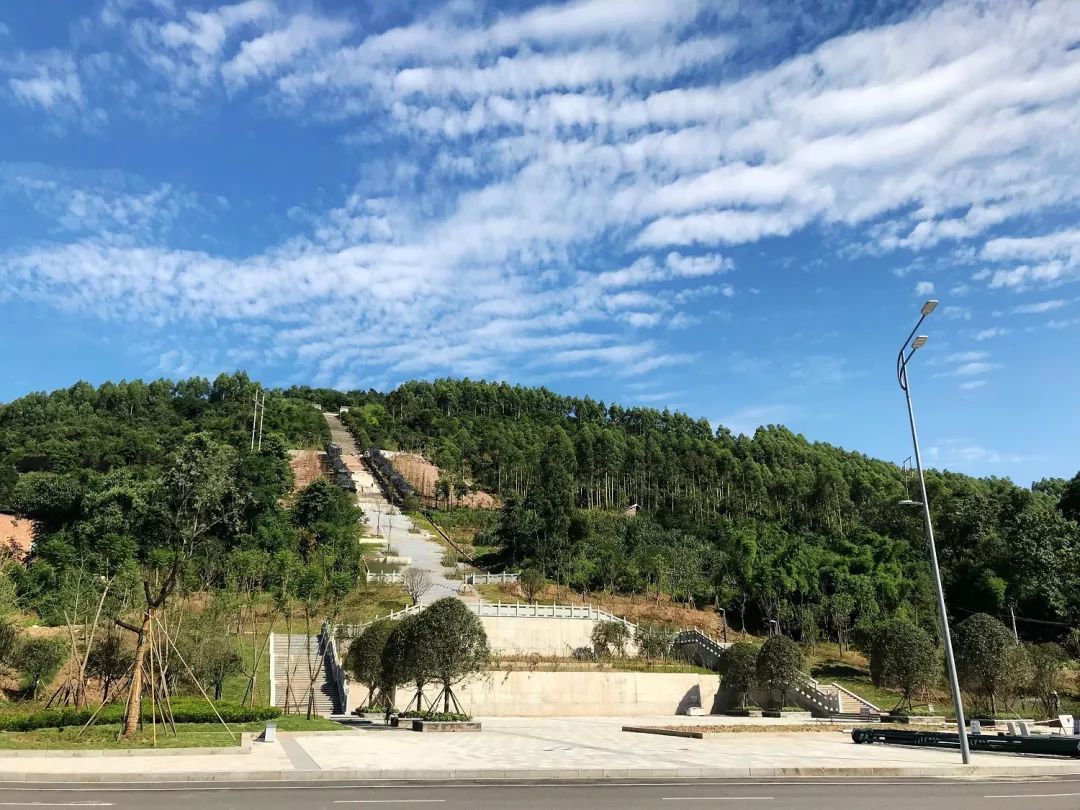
x: 389, y: 801
x: 718, y: 798
x: 55, y: 804
x: 1032, y: 796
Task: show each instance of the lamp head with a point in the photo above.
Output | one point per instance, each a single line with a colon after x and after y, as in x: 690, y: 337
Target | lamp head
x: 929, y: 307
x: 918, y: 342
x: 909, y: 502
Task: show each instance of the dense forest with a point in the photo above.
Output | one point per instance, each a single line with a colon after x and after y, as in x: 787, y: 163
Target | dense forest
x: 772, y: 528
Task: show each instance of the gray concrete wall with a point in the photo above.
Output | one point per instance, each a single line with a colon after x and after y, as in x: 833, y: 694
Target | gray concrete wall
x: 507, y: 634
x: 581, y: 694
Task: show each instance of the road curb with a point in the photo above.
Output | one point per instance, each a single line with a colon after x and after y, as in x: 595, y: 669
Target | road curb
x: 553, y: 775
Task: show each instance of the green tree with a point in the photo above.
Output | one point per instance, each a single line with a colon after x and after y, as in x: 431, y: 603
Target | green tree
x: 365, y: 657
x: 983, y: 648
x: 1047, y: 672
x: 609, y: 639
x: 406, y: 660
x: 532, y: 583
x: 108, y: 662
x: 654, y: 642
x: 779, y: 665
x: 214, y: 660
x: 197, y: 498
x: 455, y: 643
x: 905, y: 654
x: 39, y: 660
x: 738, y: 668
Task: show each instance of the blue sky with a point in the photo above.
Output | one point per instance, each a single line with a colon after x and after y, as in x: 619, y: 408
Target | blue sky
x: 724, y: 207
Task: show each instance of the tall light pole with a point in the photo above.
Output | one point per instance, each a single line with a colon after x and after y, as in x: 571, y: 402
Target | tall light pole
x: 902, y: 360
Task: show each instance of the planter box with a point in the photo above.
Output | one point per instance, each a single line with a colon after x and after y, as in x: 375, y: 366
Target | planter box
x: 788, y: 715
x: 452, y: 726
x: 741, y: 712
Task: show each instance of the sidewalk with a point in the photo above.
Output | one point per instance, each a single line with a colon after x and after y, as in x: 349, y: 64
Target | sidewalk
x: 534, y: 748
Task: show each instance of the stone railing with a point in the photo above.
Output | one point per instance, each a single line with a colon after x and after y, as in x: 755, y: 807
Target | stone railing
x: 814, y: 697
x: 515, y: 610
x: 386, y: 577
x: 520, y: 610
x: 490, y: 579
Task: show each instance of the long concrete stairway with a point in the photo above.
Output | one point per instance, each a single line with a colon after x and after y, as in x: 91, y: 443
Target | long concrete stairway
x: 289, y: 656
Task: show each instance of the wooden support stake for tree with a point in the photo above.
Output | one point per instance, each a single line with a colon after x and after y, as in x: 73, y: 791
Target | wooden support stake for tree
x: 201, y: 690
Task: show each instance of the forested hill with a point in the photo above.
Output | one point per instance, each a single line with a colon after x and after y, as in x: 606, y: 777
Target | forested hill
x: 782, y: 528
x: 773, y: 527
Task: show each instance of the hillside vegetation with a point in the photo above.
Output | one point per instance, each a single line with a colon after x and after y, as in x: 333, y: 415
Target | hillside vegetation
x: 140, y: 491
x: 771, y: 527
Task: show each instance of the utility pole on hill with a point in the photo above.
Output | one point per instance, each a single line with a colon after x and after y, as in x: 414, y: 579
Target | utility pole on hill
x: 257, y: 420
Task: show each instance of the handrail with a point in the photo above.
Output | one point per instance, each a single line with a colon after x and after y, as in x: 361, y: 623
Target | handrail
x: 860, y: 699
x: 333, y: 663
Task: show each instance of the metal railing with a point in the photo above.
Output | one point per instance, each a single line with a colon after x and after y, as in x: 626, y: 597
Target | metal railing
x: 334, y: 664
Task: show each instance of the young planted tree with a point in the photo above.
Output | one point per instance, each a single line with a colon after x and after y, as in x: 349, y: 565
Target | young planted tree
x: 455, y: 643
x: 609, y: 639
x: 779, y: 665
x: 109, y: 661
x: 532, y: 582
x: 984, y: 649
x: 905, y: 654
x: 39, y: 660
x: 406, y: 661
x: 654, y: 642
x: 214, y: 661
x: 1047, y: 673
x: 365, y: 659
x: 197, y: 498
x: 738, y: 668
x: 417, y: 582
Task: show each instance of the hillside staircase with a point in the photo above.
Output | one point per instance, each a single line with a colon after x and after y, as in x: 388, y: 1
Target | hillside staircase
x: 822, y: 699
x: 290, y: 678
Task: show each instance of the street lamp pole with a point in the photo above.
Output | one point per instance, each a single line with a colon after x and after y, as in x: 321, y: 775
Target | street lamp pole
x: 902, y: 360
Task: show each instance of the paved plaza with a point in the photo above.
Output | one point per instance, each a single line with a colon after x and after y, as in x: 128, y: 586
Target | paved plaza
x: 537, y: 748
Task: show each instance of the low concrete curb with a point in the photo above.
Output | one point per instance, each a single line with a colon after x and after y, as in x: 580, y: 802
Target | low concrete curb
x: 85, y: 753
x: 583, y: 774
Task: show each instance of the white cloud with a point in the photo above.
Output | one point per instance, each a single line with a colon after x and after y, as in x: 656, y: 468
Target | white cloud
x: 49, y: 81
x: 683, y: 320
x: 1039, y: 308
x: 748, y: 419
x: 924, y: 288
x: 967, y: 357
x: 971, y: 385
x: 992, y: 332
x: 527, y: 144
x: 973, y: 369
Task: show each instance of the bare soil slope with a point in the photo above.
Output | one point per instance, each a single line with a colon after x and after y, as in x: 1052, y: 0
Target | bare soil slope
x: 422, y: 475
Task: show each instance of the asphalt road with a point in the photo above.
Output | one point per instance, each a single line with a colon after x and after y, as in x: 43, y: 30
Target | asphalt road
x: 772, y: 794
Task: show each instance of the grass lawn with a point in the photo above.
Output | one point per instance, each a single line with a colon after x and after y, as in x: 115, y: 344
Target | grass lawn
x: 189, y: 735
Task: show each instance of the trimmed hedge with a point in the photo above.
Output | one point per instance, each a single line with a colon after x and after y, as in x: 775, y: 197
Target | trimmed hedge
x: 444, y: 717
x: 185, y: 710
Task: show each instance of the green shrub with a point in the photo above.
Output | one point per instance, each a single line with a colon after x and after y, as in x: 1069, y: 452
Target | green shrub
x: 185, y: 710
x: 439, y: 717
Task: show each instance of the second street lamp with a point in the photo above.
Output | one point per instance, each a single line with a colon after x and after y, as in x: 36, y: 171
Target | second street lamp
x: 902, y: 360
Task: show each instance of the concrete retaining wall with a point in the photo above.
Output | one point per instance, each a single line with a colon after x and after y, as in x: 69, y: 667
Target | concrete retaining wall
x: 507, y: 634
x: 581, y: 694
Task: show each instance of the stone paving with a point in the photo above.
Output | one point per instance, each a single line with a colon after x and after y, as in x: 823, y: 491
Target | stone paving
x: 533, y: 748
x: 568, y: 744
